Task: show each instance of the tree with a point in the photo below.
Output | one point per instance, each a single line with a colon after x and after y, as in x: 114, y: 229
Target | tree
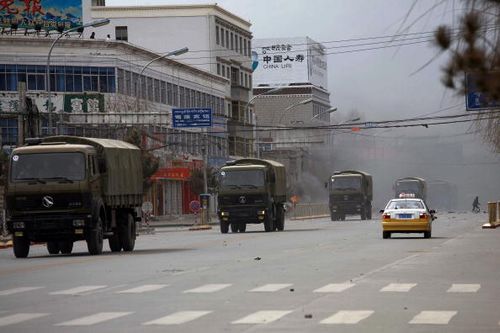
x: 150, y: 163
x: 197, y: 184
x: 475, y: 48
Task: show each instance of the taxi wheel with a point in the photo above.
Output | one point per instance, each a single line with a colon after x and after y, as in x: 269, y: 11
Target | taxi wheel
x: 386, y: 234
x: 427, y: 234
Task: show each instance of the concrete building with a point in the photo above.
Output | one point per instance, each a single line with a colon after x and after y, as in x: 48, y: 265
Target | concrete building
x: 287, y: 119
x: 96, y: 90
x: 219, y: 42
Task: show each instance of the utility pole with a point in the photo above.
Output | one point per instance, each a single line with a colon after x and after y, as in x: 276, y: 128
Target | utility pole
x: 21, y: 89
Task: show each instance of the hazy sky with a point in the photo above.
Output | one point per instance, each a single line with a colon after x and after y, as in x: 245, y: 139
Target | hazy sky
x: 377, y: 83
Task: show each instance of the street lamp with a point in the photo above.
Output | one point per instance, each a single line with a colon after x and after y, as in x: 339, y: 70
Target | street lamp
x: 305, y: 101
x: 95, y: 24
x: 330, y: 110
x: 169, y: 54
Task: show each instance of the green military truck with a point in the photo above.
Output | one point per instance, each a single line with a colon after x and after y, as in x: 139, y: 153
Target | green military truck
x: 350, y: 193
x: 252, y: 191
x: 411, y: 187
x: 63, y: 189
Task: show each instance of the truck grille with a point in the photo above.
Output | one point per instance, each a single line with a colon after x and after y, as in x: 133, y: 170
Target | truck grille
x: 48, y: 201
x: 251, y: 199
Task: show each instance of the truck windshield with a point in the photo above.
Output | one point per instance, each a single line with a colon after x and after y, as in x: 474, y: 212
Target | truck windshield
x: 242, y: 179
x: 46, y: 166
x: 346, y: 183
x: 409, y: 186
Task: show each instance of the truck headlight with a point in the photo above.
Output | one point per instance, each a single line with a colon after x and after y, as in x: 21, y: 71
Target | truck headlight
x: 261, y: 212
x: 78, y: 223
x: 18, y: 225
x: 224, y: 213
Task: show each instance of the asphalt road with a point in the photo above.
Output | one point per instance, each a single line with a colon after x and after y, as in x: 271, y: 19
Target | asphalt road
x: 316, y: 276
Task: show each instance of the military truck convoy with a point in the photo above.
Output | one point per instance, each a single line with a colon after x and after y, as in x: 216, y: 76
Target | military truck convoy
x: 350, y: 193
x: 252, y: 191
x: 63, y: 189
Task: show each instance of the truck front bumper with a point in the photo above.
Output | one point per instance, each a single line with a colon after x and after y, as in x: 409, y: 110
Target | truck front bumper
x: 243, y: 214
x: 50, y: 227
x: 346, y: 208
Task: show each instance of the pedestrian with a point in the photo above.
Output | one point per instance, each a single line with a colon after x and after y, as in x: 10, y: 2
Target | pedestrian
x: 475, y: 205
x: 92, y: 35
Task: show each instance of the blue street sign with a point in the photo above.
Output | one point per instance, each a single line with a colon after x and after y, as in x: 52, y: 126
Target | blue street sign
x: 476, y: 100
x: 195, y: 117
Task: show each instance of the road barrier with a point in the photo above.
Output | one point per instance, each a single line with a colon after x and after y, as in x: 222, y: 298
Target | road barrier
x: 493, y: 215
x: 309, y: 211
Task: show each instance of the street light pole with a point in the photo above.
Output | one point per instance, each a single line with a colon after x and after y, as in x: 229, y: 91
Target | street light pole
x: 95, y: 24
x: 169, y: 54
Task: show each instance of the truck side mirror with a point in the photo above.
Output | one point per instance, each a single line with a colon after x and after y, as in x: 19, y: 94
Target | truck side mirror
x: 381, y: 211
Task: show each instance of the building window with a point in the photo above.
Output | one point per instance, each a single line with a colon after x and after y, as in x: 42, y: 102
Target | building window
x: 234, y: 76
x: 223, y: 43
x: 236, y: 43
x: 9, y: 131
x: 218, y: 69
x: 217, y: 35
x: 241, y: 78
x: 249, y: 47
x: 170, y: 94
x: 227, y: 39
x: 241, y: 45
x: 244, y: 46
x: 223, y: 70
x: 100, y: 3
x: 232, y: 41
x: 121, y: 33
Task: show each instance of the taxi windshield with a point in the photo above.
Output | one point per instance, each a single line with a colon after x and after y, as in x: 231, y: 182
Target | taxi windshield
x: 42, y: 166
x: 405, y: 204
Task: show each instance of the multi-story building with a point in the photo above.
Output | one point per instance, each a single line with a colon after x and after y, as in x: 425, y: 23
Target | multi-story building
x: 219, y: 42
x: 288, y: 118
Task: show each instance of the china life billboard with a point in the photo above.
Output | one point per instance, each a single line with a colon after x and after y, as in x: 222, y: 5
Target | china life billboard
x: 40, y: 14
x: 289, y: 60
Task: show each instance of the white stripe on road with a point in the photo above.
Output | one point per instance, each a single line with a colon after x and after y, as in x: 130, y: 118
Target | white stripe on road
x: 347, y: 317
x: 464, y: 288
x: 433, y: 317
x: 208, y: 288
x: 143, y: 289
x: 77, y: 290
x: 272, y: 287
x: 178, y: 318
x: 261, y: 317
x: 334, y: 288
x: 19, y: 318
x: 398, y: 287
x: 17, y: 290
x: 94, y: 319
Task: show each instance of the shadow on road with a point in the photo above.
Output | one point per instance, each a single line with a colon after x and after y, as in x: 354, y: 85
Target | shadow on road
x: 107, y: 254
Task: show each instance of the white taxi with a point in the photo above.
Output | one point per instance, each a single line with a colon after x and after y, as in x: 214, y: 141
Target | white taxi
x: 407, y: 215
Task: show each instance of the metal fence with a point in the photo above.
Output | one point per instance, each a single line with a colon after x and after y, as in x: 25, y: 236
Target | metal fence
x: 308, y: 210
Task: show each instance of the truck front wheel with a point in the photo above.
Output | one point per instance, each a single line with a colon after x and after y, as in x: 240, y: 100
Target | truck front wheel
x: 66, y: 247
x: 21, y: 247
x: 268, y: 223
x: 114, y: 242
x: 224, y: 227
x: 95, y: 238
x: 280, y: 219
x: 127, y: 235
x: 53, y: 247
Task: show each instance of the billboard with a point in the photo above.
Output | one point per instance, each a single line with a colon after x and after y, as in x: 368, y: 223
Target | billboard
x: 40, y: 14
x: 278, y: 61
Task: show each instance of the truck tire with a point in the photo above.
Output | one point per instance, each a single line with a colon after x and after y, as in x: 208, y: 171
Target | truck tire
x: 369, y: 211
x: 66, y: 247
x: 224, y: 227
x: 280, y: 219
x: 114, y: 242
x: 333, y: 217
x: 242, y: 227
x: 363, y: 214
x: 21, y: 247
x: 268, y: 223
x: 95, y: 238
x: 127, y: 234
x: 53, y: 247
x: 234, y: 227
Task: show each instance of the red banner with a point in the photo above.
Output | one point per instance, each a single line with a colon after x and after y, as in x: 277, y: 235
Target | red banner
x: 172, y: 173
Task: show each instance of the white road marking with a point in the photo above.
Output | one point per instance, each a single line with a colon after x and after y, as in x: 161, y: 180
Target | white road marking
x: 272, y: 287
x: 19, y: 318
x: 208, y: 288
x: 398, y: 287
x: 334, y: 288
x: 17, y: 290
x: 178, y: 318
x: 77, y: 290
x: 433, y: 317
x: 261, y: 317
x: 143, y: 289
x: 94, y: 319
x: 347, y: 317
x: 464, y: 288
